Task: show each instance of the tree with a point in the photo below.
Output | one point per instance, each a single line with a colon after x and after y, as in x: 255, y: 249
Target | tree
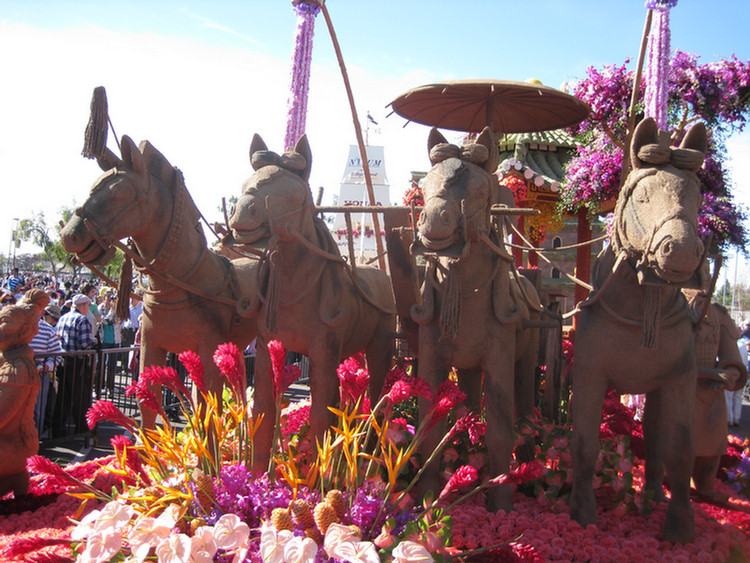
x: 36, y: 230
x: 717, y: 93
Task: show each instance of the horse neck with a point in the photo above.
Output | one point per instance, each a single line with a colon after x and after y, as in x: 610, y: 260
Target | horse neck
x: 173, y: 246
x: 476, y: 268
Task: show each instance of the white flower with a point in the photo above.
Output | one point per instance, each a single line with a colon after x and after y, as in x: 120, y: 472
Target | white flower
x: 85, y: 527
x: 336, y: 535
x: 357, y: 552
x: 101, y: 547
x: 174, y: 549
x: 411, y: 552
x: 148, y: 532
x: 230, y: 532
x: 272, y: 544
x: 202, y: 545
x: 300, y: 550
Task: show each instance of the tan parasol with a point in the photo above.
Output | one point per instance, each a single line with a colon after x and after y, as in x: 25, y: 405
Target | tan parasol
x: 504, y: 106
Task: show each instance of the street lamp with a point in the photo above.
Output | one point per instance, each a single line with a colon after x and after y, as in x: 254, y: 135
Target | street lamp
x: 13, y: 239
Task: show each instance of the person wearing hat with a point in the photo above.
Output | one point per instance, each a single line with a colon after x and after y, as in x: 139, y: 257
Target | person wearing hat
x: 46, y: 346
x: 74, y: 391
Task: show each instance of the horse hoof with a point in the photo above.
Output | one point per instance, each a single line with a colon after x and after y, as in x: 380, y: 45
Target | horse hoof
x: 679, y: 526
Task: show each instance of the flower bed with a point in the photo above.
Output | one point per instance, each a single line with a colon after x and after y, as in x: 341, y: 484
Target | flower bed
x: 172, y: 499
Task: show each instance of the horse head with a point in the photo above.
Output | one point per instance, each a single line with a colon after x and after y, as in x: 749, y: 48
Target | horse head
x: 114, y: 209
x: 277, y: 196
x: 656, y: 216
x: 459, y: 191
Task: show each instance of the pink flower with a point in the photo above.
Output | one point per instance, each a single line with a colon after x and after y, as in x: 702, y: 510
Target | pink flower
x: 148, y: 532
x: 525, y: 472
x: 354, y: 380
x: 411, y: 552
x: 174, y: 549
x: 278, y: 356
x: 231, y: 363
x: 106, y: 410
x: 202, y: 545
x: 145, y: 396
x: 283, y: 375
x: 166, y: 377
x: 272, y: 544
x: 101, y: 547
x: 408, y: 387
x: 462, y: 477
x: 194, y: 367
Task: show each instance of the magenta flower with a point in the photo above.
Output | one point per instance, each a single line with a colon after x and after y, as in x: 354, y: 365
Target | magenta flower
x: 194, y: 367
x: 409, y: 386
x: 145, y: 396
x: 283, y: 375
x: 106, y: 410
x: 231, y: 363
x: 462, y: 477
x: 525, y: 472
x: 354, y: 380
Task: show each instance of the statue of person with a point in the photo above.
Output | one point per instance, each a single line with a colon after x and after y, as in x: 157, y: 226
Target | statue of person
x: 19, y: 385
x: 720, y: 367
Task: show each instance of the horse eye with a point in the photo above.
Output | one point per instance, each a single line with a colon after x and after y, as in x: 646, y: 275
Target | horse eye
x: 641, y: 195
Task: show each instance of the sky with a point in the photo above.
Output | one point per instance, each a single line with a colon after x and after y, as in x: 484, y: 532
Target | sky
x: 198, y: 79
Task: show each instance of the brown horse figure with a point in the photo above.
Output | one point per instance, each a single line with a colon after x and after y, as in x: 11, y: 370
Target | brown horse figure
x: 634, y: 331
x: 144, y: 197
x: 473, y: 303
x: 310, y: 299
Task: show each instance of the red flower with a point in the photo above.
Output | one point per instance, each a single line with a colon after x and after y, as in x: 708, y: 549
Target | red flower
x: 354, y: 380
x: 525, y: 472
x: 165, y: 377
x: 231, y: 363
x: 146, y: 397
x: 408, y: 387
x: 472, y: 424
x: 283, y: 375
x: 24, y: 546
x: 462, y: 477
x: 133, y: 461
x: 106, y: 410
x: 447, y: 397
x: 278, y: 356
x: 194, y: 367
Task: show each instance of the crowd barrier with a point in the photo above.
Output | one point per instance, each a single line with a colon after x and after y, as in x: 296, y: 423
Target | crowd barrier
x: 83, y: 377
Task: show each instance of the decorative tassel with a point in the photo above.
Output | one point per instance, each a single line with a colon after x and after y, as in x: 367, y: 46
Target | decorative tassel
x: 95, y: 138
x: 658, y: 64
x: 122, y: 306
x: 272, y: 302
x: 450, y: 309
x: 651, y: 313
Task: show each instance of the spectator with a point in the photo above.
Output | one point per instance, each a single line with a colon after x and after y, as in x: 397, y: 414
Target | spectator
x: 76, y: 372
x: 15, y: 281
x: 46, y: 346
x: 111, y: 338
x: 7, y: 299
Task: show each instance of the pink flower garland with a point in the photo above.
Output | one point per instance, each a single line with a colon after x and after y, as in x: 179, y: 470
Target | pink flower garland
x: 658, y: 67
x: 300, y: 83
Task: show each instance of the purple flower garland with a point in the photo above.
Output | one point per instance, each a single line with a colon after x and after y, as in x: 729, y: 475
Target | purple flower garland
x: 658, y: 62
x: 300, y: 75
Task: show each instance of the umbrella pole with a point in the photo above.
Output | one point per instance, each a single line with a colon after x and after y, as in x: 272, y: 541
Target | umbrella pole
x: 358, y: 131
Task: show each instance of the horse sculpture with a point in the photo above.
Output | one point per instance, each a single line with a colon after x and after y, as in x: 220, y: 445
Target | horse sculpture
x: 634, y: 331
x: 310, y: 299
x: 475, y: 309
x: 190, y: 303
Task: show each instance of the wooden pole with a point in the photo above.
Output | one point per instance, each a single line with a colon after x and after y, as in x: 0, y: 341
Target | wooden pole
x: 358, y: 131
x: 634, y: 98
x: 583, y: 258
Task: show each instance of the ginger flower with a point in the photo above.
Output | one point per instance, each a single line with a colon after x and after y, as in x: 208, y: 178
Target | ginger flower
x: 231, y: 364
x: 462, y: 477
x: 194, y: 367
x: 106, y: 410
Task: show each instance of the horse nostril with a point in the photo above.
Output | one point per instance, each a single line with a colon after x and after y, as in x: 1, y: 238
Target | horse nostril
x: 667, y: 248
x: 445, y: 217
x: 253, y: 209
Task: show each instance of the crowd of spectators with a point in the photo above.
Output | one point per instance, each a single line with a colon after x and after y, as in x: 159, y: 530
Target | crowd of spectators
x: 76, y: 326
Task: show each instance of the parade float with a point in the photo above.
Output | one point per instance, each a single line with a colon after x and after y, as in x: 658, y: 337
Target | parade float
x: 385, y: 461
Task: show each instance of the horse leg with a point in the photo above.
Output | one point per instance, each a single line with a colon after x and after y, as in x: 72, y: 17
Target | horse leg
x: 379, y: 354
x: 434, y: 372
x: 525, y: 375
x: 499, y: 438
x: 651, y: 431
x: 324, y: 389
x: 470, y: 382
x: 263, y: 405
x: 151, y: 355
x: 586, y: 407
x: 677, y: 409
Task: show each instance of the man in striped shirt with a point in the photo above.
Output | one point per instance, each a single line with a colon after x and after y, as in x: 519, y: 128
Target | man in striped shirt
x: 46, y: 347
x: 74, y: 391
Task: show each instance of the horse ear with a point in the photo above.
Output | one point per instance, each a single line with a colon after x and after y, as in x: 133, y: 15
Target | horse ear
x: 486, y: 138
x: 303, y: 147
x: 131, y: 156
x: 696, y: 138
x: 435, y: 138
x: 257, y: 144
x: 646, y: 133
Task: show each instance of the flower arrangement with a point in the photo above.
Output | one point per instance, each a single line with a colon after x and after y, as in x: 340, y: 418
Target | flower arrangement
x: 190, y: 495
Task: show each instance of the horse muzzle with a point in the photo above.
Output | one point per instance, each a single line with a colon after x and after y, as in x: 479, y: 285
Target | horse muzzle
x: 438, y: 227
x: 678, y: 252
x: 77, y: 239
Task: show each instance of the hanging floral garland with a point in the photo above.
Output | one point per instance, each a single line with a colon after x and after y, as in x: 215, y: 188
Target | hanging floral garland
x: 536, y: 227
x: 306, y: 11
x: 658, y: 62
